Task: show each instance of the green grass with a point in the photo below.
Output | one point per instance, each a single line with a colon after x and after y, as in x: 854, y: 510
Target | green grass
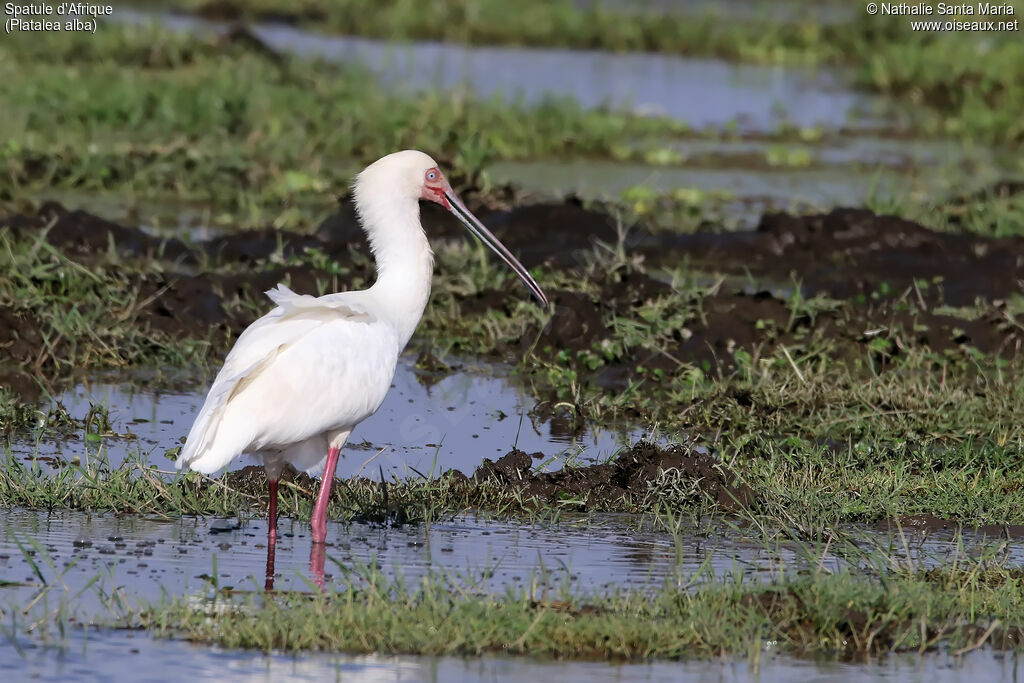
x: 992, y: 215
x: 87, y: 481
x: 848, y: 603
x: 150, y: 113
x: 15, y: 414
x: 812, y: 424
x: 250, y: 140
x: 824, y: 431
x: 820, y: 385
x: 535, y: 23
x: 813, y: 488
x: 79, y: 316
x: 972, y: 81
x: 828, y: 431
x: 851, y: 614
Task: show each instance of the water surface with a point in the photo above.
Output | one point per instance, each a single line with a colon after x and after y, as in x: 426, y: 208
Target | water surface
x: 121, y: 656
x: 429, y: 422
x: 152, y: 558
x: 701, y: 92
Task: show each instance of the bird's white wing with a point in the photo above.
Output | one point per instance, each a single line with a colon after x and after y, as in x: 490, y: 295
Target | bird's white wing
x: 295, y: 316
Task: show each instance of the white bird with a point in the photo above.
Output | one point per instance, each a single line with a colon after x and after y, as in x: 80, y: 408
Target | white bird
x: 300, y: 379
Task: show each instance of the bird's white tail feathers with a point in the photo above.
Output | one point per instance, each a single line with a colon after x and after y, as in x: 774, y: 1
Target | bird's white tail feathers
x: 198, y: 452
x: 289, y: 300
x: 325, y: 307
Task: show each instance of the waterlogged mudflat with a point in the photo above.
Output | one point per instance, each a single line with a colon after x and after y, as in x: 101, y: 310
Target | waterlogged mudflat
x: 428, y: 423
x: 120, y: 656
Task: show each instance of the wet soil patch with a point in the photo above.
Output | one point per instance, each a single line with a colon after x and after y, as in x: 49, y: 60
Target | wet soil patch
x: 853, y: 254
x: 633, y: 477
x: 82, y: 235
x: 560, y: 234
x: 252, y: 480
x: 889, y: 275
x: 845, y: 253
x: 677, y: 475
x: 719, y: 326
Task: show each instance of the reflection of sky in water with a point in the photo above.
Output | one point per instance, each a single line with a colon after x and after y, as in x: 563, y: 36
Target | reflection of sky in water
x: 121, y: 656
x: 699, y: 91
x: 846, y: 177
x: 148, y: 557
x: 466, y: 416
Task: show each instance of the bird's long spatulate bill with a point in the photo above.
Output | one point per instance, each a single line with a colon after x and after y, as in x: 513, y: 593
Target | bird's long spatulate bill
x: 488, y: 238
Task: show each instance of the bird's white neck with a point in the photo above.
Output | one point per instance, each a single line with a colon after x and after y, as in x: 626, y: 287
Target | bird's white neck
x: 405, y: 262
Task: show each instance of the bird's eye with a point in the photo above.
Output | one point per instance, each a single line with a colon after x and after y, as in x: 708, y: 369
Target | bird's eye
x: 431, y: 175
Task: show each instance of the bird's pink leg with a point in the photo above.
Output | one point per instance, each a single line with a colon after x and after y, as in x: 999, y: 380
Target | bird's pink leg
x: 319, y: 519
x: 317, y: 556
x: 271, y: 534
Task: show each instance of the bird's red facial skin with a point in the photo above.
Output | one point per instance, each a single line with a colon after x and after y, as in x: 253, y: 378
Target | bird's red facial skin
x: 434, y: 188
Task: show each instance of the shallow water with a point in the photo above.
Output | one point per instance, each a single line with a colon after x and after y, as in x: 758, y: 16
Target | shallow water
x: 474, y: 414
x: 905, y: 154
x: 701, y: 92
x: 739, y: 185
x: 428, y: 423
x: 121, y: 656
x: 139, y: 557
x: 608, y: 179
x: 147, y: 556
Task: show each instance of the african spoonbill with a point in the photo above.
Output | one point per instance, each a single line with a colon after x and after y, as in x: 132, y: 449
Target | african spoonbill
x: 299, y: 379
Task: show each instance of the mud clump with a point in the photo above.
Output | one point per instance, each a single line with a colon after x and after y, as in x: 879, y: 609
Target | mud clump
x: 709, y: 332
x: 252, y: 480
x: 81, y: 234
x: 639, y: 476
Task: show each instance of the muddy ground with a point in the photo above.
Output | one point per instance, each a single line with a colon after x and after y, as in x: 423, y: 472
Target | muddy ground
x: 899, y: 278
x: 630, y: 478
x: 675, y: 475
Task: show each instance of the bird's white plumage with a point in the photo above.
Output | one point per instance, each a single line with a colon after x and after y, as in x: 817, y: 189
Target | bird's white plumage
x: 311, y: 368
x: 300, y: 378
